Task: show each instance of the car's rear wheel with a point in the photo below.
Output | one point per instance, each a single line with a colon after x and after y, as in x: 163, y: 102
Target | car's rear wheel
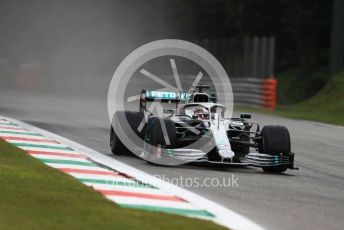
x: 276, y: 141
x: 134, y: 119
x: 116, y: 145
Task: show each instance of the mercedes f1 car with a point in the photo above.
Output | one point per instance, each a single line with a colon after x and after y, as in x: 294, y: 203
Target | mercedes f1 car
x: 198, y: 118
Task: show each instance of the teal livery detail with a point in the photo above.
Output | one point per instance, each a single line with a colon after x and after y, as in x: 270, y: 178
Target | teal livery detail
x: 167, y: 95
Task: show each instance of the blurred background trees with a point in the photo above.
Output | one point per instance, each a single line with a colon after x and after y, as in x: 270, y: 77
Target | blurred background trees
x: 302, y: 30
x: 88, y: 38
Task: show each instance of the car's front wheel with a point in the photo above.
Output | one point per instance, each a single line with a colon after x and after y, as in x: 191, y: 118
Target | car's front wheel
x: 275, y: 141
x: 161, y: 131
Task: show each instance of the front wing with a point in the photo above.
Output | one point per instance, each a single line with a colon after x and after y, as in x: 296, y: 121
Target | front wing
x: 251, y: 159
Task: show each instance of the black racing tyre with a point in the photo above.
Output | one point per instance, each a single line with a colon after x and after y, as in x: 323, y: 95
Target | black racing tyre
x: 116, y: 145
x: 134, y: 119
x: 276, y: 140
x: 156, y: 134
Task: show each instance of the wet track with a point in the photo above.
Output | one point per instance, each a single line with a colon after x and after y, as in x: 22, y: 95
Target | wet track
x: 311, y: 198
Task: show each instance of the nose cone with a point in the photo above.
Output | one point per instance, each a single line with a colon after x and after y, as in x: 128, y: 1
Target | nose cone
x: 226, y: 153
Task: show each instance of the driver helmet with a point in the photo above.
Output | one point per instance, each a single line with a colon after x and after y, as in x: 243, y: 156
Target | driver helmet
x: 201, y: 113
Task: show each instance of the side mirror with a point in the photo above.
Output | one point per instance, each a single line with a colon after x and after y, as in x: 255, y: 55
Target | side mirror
x: 169, y: 111
x: 245, y: 116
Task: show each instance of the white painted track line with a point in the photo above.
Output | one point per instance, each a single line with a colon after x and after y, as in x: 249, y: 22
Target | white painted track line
x: 223, y: 216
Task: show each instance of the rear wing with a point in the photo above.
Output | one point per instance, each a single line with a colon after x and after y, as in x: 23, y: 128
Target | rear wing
x: 162, y: 97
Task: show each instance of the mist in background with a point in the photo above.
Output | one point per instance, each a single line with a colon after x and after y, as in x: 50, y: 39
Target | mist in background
x: 72, y: 46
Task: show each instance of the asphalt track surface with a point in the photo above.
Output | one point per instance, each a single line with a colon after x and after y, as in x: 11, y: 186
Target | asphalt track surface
x: 311, y: 198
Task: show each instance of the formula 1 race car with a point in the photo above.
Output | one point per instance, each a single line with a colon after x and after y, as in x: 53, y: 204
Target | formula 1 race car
x: 197, y: 117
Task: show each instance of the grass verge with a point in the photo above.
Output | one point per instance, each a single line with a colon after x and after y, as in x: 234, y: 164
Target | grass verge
x: 326, y: 106
x: 35, y: 196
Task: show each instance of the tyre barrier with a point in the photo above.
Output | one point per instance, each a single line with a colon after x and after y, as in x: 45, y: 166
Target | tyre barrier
x: 255, y: 92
